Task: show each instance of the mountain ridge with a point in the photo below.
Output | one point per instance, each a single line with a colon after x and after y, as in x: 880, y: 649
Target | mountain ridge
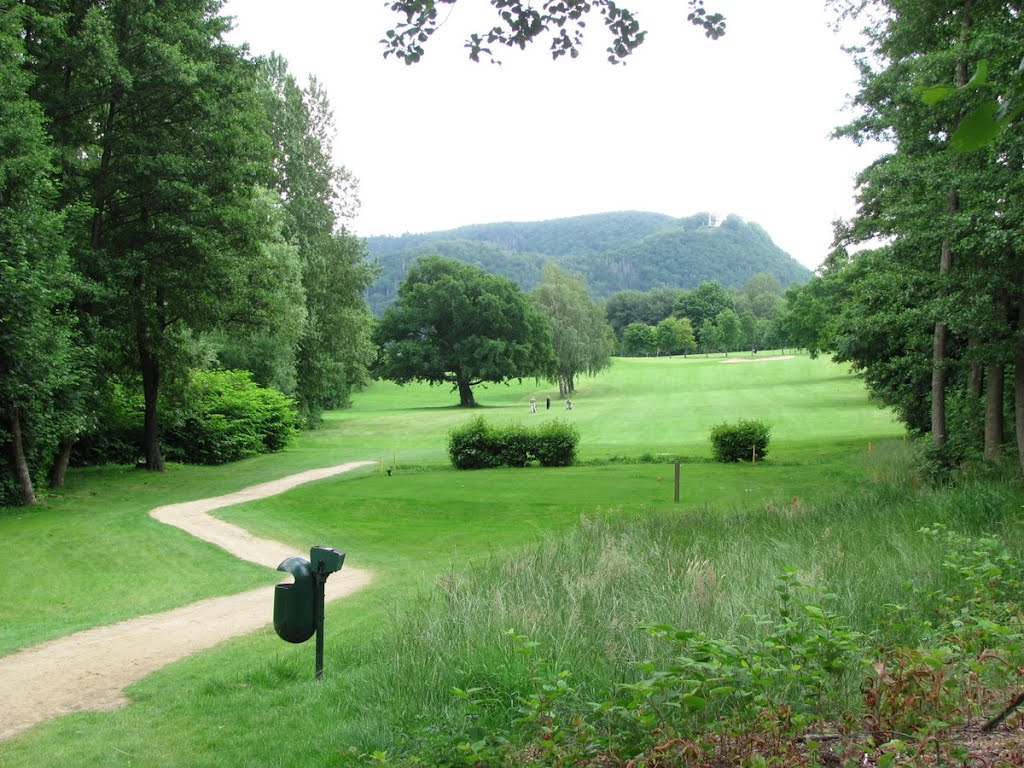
x: 613, y: 251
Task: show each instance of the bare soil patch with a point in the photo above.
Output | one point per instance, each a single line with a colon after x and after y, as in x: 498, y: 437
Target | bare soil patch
x: 89, y: 670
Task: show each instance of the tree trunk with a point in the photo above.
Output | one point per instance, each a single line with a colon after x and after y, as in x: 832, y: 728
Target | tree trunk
x: 976, y: 380
x: 945, y: 264
x: 100, y: 194
x: 1018, y: 393
x: 150, y: 368
x: 939, y: 343
x: 60, y: 463
x: 939, y: 385
x: 996, y: 376
x: 28, y: 495
x: 570, y: 385
x: 466, y: 399
x: 994, y: 439
x: 1018, y: 386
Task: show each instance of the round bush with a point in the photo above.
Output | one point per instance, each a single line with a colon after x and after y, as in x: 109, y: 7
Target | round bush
x: 746, y: 440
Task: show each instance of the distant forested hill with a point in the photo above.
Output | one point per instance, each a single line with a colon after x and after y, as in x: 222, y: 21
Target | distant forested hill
x: 613, y: 251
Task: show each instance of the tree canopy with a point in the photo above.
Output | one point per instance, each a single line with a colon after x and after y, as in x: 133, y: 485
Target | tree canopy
x: 456, y: 324
x: 935, y: 318
x: 583, y: 341
x: 167, y: 205
x: 521, y: 23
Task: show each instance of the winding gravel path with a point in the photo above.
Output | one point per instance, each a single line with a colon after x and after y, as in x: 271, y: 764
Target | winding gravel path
x: 89, y: 670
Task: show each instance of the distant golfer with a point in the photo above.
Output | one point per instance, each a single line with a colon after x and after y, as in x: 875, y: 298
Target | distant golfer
x: 547, y: 403
x: 568, y: 405
x: 533, y: 404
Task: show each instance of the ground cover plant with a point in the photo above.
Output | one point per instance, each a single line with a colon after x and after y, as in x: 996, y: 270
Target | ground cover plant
x: 427, y: 527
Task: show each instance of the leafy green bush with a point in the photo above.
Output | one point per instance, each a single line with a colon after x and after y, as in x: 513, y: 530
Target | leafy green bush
x: 226, y: 416
x: 514, y: 445
x: 474, y: 445
x: 745, y: 440
x: 478, y: 445
x: 554, y: 444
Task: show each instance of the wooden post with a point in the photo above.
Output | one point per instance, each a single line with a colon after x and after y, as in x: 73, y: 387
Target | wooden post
x: 677, y: 482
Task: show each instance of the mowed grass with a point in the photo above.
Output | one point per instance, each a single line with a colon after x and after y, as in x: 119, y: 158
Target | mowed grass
x: 114, y: 562
x: 410, y: 528
x: 656, y: 406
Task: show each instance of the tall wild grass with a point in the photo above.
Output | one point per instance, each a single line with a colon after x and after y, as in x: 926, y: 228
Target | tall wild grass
x: 577, y: 603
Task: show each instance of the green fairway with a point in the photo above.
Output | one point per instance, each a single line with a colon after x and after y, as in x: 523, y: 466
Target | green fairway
x: 635, y: 420
x: 655, y: 406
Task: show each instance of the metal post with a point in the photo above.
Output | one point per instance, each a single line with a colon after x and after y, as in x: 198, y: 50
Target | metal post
x: 318, y: 609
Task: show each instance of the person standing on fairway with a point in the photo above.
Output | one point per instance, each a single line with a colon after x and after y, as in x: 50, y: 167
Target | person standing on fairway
x: 533, y: 404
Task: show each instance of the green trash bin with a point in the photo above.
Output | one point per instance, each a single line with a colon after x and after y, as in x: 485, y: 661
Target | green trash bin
x: 294, y: 614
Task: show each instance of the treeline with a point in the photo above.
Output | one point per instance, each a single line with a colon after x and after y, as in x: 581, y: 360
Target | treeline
x: 627, y: 250
x: 710, y: 318
x: 168, y: 205
x: 934, y: 318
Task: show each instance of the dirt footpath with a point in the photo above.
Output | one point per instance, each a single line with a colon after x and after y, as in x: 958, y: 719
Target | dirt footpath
x: 89, y: 670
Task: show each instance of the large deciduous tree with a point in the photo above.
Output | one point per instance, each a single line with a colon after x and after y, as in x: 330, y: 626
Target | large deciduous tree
x: 582, y: 339
x: 455, y: 324
x: 163, y: 141
x: 675, y: 334
x: 952, y: 219
x: 704, y: 302
x: 334, y: 349
x: 34, y: 327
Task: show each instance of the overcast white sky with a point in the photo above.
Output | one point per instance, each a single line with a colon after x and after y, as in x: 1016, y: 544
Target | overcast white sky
x: 738, y: 125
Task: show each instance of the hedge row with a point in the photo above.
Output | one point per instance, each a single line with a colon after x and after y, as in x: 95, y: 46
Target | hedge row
x: 479, y: 445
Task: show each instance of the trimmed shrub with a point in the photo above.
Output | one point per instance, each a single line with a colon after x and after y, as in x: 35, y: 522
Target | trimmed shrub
x: 554, y: 444
x: 477, y: 445
x: 473, y: 445
x: 741, y: 441
x: 513, y: 444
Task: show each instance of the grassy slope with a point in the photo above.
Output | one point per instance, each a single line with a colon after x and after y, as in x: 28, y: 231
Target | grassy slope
x: 409, y: 527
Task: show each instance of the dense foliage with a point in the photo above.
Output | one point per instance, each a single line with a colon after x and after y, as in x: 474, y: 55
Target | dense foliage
x: 479, y: 445
x: 743, y: 440
x: 214, y: 418
x: 224, y: 416
x: 168, y: 204
x: 667, y: 321
x: 934, y: 317
x: 35, y: 332
x: 612, y: 251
